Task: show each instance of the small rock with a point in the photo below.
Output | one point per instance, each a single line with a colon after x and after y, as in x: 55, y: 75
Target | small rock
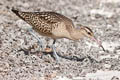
x: 115, y: 78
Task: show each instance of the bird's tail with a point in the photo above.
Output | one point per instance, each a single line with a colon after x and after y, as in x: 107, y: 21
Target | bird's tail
x: 16, y: 12
x: 21, y: 15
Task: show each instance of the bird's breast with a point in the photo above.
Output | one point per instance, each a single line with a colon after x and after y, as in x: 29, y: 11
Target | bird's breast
x: 61, y: 32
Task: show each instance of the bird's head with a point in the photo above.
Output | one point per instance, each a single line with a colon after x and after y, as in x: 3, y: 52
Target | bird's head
x: 87, y: 32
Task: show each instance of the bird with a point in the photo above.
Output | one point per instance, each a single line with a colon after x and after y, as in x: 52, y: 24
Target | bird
x: 55, y: 26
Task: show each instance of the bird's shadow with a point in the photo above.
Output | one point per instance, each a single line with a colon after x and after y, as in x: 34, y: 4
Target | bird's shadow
x: 74, y: 58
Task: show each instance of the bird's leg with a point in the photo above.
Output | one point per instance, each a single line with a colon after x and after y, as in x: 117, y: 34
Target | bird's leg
x: 39, y: 42
x: 54, y: 51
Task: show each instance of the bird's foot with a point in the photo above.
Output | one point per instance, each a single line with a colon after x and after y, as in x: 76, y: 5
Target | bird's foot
x: 57, y: 58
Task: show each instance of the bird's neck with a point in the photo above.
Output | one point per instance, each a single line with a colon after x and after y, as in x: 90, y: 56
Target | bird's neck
x: 76, y: 34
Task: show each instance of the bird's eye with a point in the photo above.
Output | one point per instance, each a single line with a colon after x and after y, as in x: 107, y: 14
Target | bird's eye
x: 89, y: 33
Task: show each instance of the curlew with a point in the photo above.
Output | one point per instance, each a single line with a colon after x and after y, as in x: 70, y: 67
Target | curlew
x: 56, y: 26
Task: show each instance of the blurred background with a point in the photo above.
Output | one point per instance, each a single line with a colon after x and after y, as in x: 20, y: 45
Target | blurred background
x: 102, y: 16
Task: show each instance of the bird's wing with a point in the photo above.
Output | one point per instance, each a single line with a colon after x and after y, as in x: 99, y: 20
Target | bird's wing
x: 68, y: 22
x: 53, y: 17
x: 43, y: 21
x: 36, y: 20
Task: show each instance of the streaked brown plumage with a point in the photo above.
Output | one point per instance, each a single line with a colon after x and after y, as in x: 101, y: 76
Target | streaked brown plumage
x: 51, y: 24
x: 55, y: 25
x: 42, y: 22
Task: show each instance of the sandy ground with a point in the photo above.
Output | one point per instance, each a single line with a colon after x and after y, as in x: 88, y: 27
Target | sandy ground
x: 17, y: 62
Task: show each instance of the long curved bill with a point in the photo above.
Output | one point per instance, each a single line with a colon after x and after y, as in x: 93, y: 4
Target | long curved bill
x: 99, y: 43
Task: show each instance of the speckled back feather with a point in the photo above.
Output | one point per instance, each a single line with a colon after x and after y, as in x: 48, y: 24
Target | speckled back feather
x: 44, y: 22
